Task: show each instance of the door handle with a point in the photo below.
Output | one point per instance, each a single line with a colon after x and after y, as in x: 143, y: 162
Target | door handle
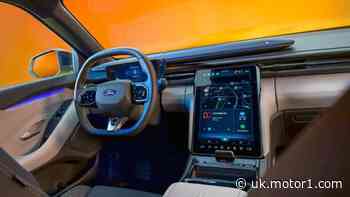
x: 34, y: 130
x: 29, y: 134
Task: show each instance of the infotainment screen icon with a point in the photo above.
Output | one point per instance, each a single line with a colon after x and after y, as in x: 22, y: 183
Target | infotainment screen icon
x: 226, y: 115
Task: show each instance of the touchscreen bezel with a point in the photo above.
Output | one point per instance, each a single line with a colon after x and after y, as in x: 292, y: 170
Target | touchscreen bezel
x: 257, y: 151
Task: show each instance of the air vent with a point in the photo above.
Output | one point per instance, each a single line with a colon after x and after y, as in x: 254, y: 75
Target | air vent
x: 180, y: 76
x: 301, y: 66
x: 308, y: 65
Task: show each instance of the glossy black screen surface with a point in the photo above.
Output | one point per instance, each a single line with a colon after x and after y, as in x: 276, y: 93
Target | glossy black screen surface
x: 226, y: 115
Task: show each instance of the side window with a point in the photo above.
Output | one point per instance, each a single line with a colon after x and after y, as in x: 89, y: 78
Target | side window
x: 28, y: 52
x: 22, y: 37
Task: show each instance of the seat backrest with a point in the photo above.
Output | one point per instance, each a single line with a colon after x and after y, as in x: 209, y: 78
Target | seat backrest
x: 319, y: 159
x: 15, y: 180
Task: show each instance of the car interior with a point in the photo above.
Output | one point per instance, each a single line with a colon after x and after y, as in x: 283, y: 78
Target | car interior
x: 89, y: 117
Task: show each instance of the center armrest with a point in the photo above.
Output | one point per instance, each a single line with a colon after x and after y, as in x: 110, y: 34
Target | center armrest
x: 195, y: 190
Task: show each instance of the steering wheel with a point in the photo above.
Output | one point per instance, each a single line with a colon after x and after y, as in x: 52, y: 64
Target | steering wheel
x: 116, y: 99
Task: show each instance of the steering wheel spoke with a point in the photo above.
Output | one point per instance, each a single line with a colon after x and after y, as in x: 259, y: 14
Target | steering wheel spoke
x: 140, y: 93
x: 87, y: 97
x: 116, y: 123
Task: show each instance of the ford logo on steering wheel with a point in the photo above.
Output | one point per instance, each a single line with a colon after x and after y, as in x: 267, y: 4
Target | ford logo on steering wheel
x: 109, y: 92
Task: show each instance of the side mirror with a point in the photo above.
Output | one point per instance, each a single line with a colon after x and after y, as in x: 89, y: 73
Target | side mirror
x: 51, y: 63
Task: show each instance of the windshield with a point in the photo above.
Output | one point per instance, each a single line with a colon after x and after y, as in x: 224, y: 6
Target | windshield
x: 163, y: 25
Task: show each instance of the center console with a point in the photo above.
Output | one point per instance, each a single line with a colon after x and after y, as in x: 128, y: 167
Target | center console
x: 226, y: 137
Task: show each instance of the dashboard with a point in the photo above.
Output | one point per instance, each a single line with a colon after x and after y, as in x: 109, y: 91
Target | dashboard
x: 284, y: 88
x: 226, y: 115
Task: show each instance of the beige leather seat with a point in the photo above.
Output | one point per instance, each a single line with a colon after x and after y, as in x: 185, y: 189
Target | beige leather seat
x: 103, y: 191
x: 199, y: 190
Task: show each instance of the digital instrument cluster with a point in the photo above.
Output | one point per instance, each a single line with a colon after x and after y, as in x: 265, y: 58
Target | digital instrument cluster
x: 227, y: 111
x: 131, y: 71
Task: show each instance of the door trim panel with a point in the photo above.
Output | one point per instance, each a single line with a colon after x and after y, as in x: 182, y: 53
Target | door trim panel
x: 12, y: 95
x: 54, y: 144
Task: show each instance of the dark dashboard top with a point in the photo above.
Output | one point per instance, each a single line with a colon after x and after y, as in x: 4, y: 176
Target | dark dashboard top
x: 130, y: 69
x: 310, y: 50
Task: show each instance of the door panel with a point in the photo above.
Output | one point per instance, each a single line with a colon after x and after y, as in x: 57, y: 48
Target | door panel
x: 39, y: 126
x: 23, y: 125
x: 17, y: 94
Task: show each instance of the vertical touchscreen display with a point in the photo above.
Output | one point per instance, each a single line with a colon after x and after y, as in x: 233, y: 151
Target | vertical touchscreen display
x: 227, y: 111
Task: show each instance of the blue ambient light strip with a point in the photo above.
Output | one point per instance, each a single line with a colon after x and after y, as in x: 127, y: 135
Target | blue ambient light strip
x: 38, y: 97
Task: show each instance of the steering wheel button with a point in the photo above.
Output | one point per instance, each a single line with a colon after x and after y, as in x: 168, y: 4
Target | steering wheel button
x: 139, y: 93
